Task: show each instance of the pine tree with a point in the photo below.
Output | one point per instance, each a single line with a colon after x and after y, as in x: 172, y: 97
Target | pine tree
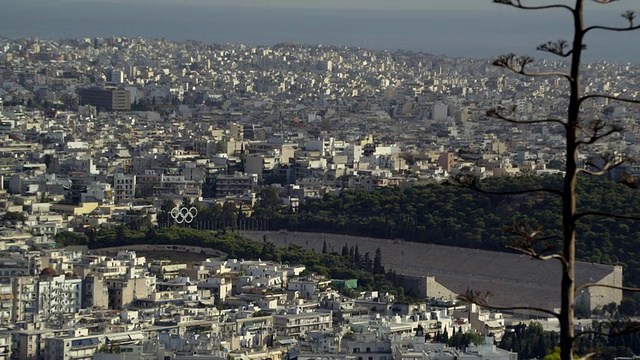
x: 324, y: 247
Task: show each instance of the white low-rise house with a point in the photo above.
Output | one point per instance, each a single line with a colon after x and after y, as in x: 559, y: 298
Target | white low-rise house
x: 219, y: 287
x: 307, y: 287
x: 484, y: 322
x: 102, y: 193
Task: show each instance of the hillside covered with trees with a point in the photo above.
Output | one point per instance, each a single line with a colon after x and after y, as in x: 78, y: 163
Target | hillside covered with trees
x: 457, y: 216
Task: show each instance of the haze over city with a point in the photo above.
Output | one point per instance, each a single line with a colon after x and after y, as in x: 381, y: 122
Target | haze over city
x: 469, y: 28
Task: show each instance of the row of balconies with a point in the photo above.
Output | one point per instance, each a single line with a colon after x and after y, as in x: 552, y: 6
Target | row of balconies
x: 306, y: 324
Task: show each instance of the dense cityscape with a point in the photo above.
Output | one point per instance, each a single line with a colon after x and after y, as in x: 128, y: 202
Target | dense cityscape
x: 101, y: 133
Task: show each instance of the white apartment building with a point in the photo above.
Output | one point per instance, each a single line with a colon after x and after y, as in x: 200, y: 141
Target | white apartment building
x: 124, y: 187
x: 25, y: 301
x: 297, y: 325
x: 367, y: 347
x: 58, y: 295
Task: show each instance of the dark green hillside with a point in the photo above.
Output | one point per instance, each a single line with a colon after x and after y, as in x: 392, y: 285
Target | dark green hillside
x: 451, y: 215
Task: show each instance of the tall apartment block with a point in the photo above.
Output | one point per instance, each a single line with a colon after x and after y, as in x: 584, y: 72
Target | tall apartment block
x: 107, y: 98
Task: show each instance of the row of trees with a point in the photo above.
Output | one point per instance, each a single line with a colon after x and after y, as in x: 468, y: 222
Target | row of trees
x: 361, y: 262
x: 529, y: 341
x: 532, y: 342
x: 458, y: 339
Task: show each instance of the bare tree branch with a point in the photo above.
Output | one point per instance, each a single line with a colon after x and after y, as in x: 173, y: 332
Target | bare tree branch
x: 605, y: 214
x: 611, y: 28
x: 594, y: 138
x: 589, y: 285
x: 536, y: 255
x: 628, y: 15
x: 593, y: 173
x: 482, y: 299
x: 518, y: 4
x: 629, y: 180
x: 471, y: 182
x: 530, y: 242
x: 596, y: 127
x: 587, y: 356
x: 556, y: 47
x: 497, y: 113
x: 615, y: 330
x: 518, y: 64
x: 610, y: 97
x: 609, y: 161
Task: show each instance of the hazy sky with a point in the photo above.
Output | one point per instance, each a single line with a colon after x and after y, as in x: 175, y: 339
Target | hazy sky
x: 354, y: 4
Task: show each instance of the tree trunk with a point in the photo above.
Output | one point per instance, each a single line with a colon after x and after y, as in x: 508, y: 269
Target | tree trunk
x: 569, y: 195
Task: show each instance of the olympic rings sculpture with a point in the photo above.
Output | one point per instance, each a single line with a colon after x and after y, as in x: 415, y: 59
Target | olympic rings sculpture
x: 184, y: 215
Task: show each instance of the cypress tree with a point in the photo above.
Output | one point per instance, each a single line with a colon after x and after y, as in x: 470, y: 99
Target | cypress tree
x: 377, y: 262
x: 367, y: 263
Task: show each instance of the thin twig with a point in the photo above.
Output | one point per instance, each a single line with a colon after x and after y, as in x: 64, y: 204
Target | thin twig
x: 518, y: 4
x: 610, y: 28
x: 610, y: 97
x: 470, y: 182
x: 627, y: 329
x: 604, y: 214
x: 535, y: 255
x: 556, y: 47
x: 495, y: 113
x: 517, y: 64
x: 482, y: 299
x: 589, y: 285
